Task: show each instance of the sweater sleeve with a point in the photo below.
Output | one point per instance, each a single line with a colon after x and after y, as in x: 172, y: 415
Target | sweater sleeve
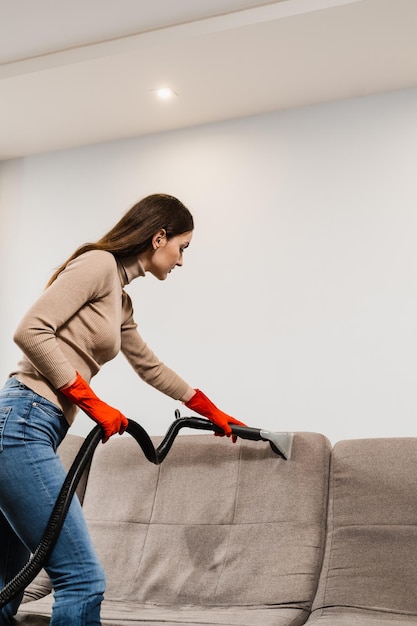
x: 84, y: 279
x: 145, y: 363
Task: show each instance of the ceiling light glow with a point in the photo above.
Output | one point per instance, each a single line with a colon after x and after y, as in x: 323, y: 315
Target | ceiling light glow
x: 164, y: 93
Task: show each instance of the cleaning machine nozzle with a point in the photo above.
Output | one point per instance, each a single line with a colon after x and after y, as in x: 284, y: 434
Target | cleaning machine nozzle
x: 281, y: 443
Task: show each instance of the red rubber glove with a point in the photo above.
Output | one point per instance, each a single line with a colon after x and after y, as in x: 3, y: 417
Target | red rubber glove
x: 200, y: 403
x: 110, y: 419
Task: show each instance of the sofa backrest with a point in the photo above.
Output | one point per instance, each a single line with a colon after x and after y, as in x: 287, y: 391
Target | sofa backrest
x: 214, y: 524
x: 370, y: 558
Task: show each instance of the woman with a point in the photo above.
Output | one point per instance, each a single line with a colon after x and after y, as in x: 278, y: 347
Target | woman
x: 82, y: 320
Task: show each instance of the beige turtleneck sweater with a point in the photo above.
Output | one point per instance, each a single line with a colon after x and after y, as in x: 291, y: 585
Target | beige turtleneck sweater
x: 82, y: 321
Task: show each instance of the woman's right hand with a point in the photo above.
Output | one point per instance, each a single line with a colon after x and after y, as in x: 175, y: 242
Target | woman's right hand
x: 110, y: 419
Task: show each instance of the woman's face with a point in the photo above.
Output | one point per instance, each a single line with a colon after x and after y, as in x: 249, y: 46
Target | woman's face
x: 167, y: 253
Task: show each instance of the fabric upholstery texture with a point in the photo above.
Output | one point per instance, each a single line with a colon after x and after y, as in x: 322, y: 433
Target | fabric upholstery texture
x: 202, y: 527
x: 219, y: 533
x: 370, y: 561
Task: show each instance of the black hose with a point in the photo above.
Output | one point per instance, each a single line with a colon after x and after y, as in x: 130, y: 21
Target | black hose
x: 62, y: 504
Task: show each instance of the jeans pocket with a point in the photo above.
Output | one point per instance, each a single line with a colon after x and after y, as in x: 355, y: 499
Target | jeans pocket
x: 4, y: 414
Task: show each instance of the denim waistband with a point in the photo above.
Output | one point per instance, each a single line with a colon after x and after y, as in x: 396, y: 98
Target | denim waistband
x: 12, y: 383
x: 14, y: 388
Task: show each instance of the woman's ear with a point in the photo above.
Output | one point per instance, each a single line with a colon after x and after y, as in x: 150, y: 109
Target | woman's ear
x: 158, y: 238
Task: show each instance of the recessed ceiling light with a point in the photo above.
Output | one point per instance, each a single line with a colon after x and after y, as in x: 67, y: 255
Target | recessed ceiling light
x: 164, y: 93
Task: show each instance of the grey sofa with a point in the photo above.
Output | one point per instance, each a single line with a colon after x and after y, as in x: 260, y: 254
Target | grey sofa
x: 233, y: 535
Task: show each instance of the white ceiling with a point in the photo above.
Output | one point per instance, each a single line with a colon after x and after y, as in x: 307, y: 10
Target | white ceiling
x: 76, y: 72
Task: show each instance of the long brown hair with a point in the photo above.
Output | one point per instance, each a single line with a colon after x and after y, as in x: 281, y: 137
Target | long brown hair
x: 133, y: 233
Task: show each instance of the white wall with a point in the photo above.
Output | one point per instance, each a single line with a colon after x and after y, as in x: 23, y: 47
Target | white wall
x: 296, y: 308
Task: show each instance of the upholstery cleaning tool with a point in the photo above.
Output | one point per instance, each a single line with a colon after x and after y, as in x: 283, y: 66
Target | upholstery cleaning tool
x: 281, y: 444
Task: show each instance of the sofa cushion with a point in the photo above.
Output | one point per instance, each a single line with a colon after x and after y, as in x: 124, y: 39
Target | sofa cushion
x: 216, y: 525
x: 131, y: 614
x: 370, y: 558
x: 358, y: 617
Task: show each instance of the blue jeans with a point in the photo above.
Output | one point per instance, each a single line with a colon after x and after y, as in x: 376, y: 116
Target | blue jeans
x: 31, y: 475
